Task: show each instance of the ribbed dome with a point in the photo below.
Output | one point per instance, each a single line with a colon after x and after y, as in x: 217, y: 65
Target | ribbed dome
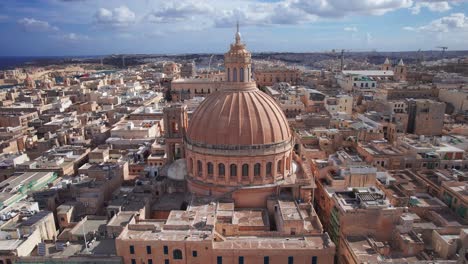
x: 238, y: 117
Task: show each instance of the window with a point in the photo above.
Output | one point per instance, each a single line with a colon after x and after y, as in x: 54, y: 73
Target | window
x: 199, y: 167
x: 241, y: 72
x: 278, y: 168
x: 268, y: 169
x: 314, y: 260
x: 241, y: 259
x: 221, y: 169
x: 290, y: 260
x: 233, y: 170
x: 257, y: 169
x: 132, y: 249
x: 234, y: 75
x: 166, y: 250
x: 194, y: 253
x: 177, y: 254
x: 8, y: 261
x: 229, y: 75
x: 209, y: 166
x: 245, y: 170
x: 266, y: 260
x: 133, y: 261
x: 150, y: 261
x: 219, y: 260
x: 148, y: 249
x: 166, y: 261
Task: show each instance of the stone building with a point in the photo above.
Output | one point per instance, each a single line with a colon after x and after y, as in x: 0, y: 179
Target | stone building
x: 425, y: 117
x: 270, y: 76
x: 188, y: 70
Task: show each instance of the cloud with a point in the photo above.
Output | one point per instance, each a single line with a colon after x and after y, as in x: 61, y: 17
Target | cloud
x: 33, y: 25
x: 120, y: 17
x: 3, y: 17
x: 434, y: 6
x: 341, y: 8
x: 283, y: 12
x: 73, y: 37
x: 453, y: 22
x: 263, y: 14
x: 350, y: 29
x: 181, y: 11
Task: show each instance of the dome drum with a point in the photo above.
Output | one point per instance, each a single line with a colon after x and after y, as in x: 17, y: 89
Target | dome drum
x: 241, y: 150
x: 239, y: 171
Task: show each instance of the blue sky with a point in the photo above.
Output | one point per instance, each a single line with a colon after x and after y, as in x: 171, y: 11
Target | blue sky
x: 94, y: 27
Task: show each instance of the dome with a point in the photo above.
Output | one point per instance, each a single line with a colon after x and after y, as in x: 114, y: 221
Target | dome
x: 238, y: 117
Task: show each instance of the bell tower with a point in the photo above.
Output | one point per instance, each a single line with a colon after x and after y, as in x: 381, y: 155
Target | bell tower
x: 400, y: 71
x: 175, y: 127
x: 386, y: 66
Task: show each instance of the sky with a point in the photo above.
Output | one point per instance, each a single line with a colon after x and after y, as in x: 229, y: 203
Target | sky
x: 101, y: 27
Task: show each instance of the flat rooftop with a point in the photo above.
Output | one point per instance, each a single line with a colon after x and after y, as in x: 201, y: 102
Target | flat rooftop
x: 289, y: 210
x: 259, y: 243
x: 252, y: 218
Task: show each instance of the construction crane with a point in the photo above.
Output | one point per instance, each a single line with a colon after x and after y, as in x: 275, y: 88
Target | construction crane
x: 443, y: 50
x: 209, y: 64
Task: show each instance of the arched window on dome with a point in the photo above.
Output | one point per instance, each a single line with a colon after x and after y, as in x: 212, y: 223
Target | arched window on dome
x: 233, y: 170
x: 279, y: 167
x: 209, y: 167
x: 245, y: 170
x: 248, y: 74
x: 257, y: 170
x: 269, y: 166
x: 241, y: 73
x: 229, y: 74
x: 199, y: 168
x: 221, y: 170
x: 234, y: 75
x: 288, y: 163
